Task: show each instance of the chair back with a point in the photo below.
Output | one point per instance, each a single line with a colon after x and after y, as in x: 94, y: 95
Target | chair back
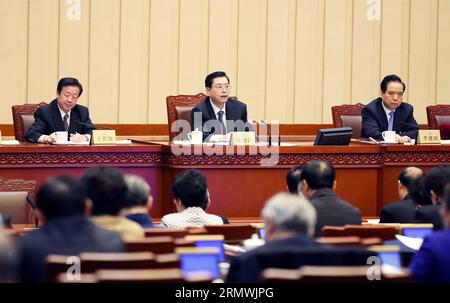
x: 162, y: 231
x: 23, y: 117
x: 156, y: 245
x: 169, y: 275
x: 91, y: 262
x: 348, y: 115
x: 179, y: 108
x: 233, y: 233
x: 438, y: 115
x: 16, y: 197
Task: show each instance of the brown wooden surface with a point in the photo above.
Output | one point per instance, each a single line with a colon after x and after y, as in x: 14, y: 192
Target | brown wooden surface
x: 238, y: 184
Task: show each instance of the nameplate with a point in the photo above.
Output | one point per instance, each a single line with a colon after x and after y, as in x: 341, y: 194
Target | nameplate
x: 242, y: 138
x: 100, y: 137
x: 429, y: 136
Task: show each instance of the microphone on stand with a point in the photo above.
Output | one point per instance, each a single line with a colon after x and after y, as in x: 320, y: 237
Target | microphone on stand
x: 92, y: 126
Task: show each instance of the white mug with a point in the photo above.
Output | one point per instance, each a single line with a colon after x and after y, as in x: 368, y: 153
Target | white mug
x: 195, y: 137
x: 388, y: 136
x: 61, y: 137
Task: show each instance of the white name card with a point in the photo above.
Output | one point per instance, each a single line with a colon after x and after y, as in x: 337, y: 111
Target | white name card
x: 100, y: 137
x: 242, y: 138
x: 429, y: 136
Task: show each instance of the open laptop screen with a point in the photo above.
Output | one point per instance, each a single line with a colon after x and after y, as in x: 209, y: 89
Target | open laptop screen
x: 212, y: 243
x: 417, y: 232
x: 194, y: 262
x: 391, y: 258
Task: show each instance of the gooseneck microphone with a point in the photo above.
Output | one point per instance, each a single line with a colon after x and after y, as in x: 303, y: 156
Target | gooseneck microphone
x: 90, y: 125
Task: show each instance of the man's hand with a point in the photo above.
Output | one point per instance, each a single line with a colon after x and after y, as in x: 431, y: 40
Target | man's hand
x: 403, y: 139
x: 77, y: 138
x: 49, y: 139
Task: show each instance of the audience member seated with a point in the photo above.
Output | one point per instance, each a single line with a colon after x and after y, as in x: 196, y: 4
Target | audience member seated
x: 106, y: 188
x: 138, y: 202
x: 318, y: 178
x: 293, y: 180
x: 432, y: 262
x: 289, y: 221
x: 433, y: 186
x: 7, y: 258
x: 191, y: 200
x: 403, y: 211
x: 62, y: 202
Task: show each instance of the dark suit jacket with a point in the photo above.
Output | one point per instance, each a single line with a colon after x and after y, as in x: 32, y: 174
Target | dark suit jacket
x: 235, y: 111
x: 290, y: 253
x: 431, y: 264
x: 65, y: 236
x: 374, y: 120
x: 331, y: 210
x: 47, y: 119
x: 429, y: 214
x: 399, y: 212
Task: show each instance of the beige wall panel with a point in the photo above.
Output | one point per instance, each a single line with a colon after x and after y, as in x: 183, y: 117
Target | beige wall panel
x: 309, y: 61
x: 223, y: 40
x: 13, y: 55
x: 337, y: 55
x: 422, y: 65
x: 365, y: 55
x: 104, y: 61
x: 443, y: 54
x: 74, y: 43
x: 280, y: 77
x: 251, y: 80
x: 43, y: 50
x: 163, y: 64
x: 194, y: 28
x: 395, y: 40
x: 133, y: 77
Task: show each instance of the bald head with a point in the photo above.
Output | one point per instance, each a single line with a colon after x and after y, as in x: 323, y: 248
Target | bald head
x: 409, y: 175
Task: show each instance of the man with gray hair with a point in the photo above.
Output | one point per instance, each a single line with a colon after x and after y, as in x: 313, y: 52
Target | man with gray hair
x: 138, y: 202
x: 289, y: 222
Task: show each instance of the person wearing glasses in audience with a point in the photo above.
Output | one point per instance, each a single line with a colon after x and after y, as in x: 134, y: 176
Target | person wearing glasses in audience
x: 219, y: 114
x: 62, y: 114
x: 389, y: 112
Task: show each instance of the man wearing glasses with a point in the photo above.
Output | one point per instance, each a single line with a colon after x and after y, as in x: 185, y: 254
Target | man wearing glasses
x: 388, y: 112
x: 218, y: 114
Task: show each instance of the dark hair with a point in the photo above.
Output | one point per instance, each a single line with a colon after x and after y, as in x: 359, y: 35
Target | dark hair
x: 416, y: 191
x: 318, y: 174
x: 69, y: 82
x: 436, y: 179
x: 210, y: 78
x: 409, y: 174
x: 293, y: 178
x: 107, y: 189
x: 390, y: 78
x: 447, y: 197
x: 191, y: 189
x: 61, y: 196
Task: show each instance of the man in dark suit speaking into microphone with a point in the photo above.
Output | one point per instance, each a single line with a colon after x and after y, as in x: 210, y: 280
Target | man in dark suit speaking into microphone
x: 62, y: 114
x: 219, y: 114
x: 389, y: 112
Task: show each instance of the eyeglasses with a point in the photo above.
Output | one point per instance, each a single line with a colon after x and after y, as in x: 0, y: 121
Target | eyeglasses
x: 222, y: 86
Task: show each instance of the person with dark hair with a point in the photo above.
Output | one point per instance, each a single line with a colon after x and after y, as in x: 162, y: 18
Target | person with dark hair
x: 62, y: 114
x: 293, y: 180
x: 218, y: 114
x: 66, y: 231
x: 389, y: 112
x: 107, y: 189
x: 431, y: 264
x: 190, y: 195
x: 138, y: 202
x: 433, y: 184
x: 403, y: 211
x: 318, y: 178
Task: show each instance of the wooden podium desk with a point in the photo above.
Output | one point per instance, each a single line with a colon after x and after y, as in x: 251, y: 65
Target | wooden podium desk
x: 239, y: 185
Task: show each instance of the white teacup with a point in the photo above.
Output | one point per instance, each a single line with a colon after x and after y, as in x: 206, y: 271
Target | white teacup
x: 61, y: 137
x: 388, y: 136
x: 195, y: 137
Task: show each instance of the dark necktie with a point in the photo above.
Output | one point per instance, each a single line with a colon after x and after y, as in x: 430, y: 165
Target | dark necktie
x: 66, y: 123
x: 391, y: 121
x: 223, y: 130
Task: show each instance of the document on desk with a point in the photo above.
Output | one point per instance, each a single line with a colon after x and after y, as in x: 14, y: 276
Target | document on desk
x: 413, y: 243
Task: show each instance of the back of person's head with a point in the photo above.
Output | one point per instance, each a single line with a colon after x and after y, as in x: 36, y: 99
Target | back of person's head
x: 318, y: 174
x: 138, y: 191
x: 61, y: 196
x: 191, y: 189
x: 291, y: 213
x: 293, y: 179
x: 410, y: 174
x: 390, y: 78
x: 436, y: 179
x: 210, y: 78
x: 69, y: 82
x: 106, y: 188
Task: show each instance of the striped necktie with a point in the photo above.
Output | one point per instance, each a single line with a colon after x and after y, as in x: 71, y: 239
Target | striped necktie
x: 391, y: 121
x: 66, y: 123
x: 223, y: 130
